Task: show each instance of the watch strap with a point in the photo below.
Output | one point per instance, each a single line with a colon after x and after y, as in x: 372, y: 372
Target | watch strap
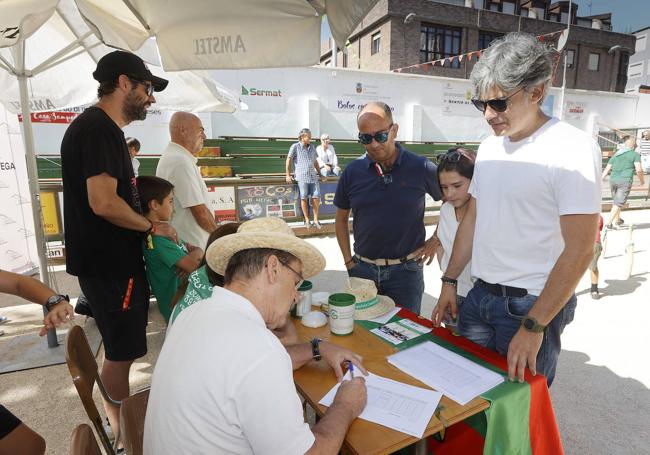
x: 315, y: 349
x: 54, y: 300
x: 450, y: 281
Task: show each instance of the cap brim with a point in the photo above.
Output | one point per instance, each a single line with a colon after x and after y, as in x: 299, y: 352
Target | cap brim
x: 159, y: 84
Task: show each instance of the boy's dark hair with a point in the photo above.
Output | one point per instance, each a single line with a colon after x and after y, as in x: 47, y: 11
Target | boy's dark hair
x: 464, y: 165
x: 133, y: 142
x: 150, y: 188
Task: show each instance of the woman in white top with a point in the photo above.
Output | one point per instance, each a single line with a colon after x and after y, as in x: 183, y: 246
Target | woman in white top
x: 455, y: 171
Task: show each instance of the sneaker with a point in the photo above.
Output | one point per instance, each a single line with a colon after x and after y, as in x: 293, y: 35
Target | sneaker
x: 595, y: 295
x: 317, y: 224
x: 620, y: 222
x: 609, y: 226
x: 3, y: 319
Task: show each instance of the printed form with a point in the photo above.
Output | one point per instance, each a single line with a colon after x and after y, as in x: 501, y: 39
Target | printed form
x: 393, y: 404
x: 454, y: 375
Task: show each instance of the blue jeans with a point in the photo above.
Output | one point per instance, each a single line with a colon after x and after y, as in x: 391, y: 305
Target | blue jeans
x: 404, y: 283
x: 309, y: 190
x: 492, y: 321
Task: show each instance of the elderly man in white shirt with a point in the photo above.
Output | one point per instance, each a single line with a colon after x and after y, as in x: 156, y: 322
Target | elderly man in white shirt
x: 192, y: 217
x: 327, y: 160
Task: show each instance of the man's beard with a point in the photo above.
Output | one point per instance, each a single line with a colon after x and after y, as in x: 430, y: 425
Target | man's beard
x: 134, y: 108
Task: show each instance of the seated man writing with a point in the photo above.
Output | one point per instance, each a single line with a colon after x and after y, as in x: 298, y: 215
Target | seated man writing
x: 223, y: 382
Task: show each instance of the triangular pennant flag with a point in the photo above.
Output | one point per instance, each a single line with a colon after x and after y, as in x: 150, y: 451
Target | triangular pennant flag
x: 541, y: 38
x: 460, y: 58
x: 478, y: 55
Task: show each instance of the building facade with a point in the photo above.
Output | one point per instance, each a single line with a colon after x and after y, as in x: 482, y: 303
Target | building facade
x: 400, y: 34
x: 638, y: 71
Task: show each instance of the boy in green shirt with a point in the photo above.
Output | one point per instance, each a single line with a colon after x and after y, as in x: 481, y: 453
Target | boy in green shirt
x: 166, y: 261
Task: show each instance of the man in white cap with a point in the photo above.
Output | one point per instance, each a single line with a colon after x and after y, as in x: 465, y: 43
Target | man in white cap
x: 223, y: 382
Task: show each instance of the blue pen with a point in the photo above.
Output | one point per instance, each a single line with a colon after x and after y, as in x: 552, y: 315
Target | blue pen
x: 351, y: 369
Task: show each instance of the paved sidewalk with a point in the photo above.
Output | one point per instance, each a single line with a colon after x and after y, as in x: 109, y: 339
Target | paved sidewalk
x: 601, y: 392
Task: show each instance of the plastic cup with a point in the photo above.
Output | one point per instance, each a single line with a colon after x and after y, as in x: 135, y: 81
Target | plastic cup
x: 341, y: 313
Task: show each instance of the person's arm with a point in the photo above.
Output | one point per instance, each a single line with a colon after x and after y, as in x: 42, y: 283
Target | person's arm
x: 105, y: 203
x: 331, y: 353
x: 335, y: 160
x: 461, y: 253
x: 320, y: 152
x: 287, y: 334
x: 204, y: 218
x: 191, y: 261
x: 343, y: 236
x: 606, y: 170
x: 33, y: 290
x: 287, y: 164
x: 578, y: 232
x: 639, y: 172
x: 330, y: 431
x: 315, y: 162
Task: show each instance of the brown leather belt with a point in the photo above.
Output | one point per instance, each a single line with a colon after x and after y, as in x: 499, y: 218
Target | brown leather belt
x: 384, y: 262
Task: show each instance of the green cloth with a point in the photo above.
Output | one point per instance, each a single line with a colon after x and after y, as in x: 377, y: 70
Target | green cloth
x: 198, y: 288
x: 160, y: 262
x: 623, y: 166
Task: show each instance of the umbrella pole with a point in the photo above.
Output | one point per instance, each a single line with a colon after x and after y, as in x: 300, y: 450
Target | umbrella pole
x: 32, y: 173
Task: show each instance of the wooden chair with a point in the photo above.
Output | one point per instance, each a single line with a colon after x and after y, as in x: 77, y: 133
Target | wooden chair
x: 83, y: 441
x: 132, y: 413
x: 85, y: 373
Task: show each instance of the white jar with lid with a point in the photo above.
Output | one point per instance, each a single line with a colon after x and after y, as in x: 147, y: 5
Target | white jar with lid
x: 304, y: 304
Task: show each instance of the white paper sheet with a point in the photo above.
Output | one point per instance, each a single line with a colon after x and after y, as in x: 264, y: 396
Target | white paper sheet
x: 455, y: 376
x: 387, y: 317
x: 393, y: 404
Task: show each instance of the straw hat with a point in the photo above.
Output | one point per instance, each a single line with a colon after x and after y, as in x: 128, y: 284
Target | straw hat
x: 264, y: 233
x: 368, y: 304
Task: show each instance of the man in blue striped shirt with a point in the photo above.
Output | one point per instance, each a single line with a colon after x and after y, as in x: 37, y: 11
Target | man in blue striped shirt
x: 304, y: 158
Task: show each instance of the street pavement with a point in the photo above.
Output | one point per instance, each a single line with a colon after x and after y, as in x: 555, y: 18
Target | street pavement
x: 601, y: 392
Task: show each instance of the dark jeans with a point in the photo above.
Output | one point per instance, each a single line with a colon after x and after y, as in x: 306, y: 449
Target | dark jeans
x: 492, y: 321
x: 404, y: 283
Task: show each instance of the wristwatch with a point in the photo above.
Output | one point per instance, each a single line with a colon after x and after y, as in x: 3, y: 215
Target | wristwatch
x: 314, y: 349
x: 54, y: 299
x: 532, y: 325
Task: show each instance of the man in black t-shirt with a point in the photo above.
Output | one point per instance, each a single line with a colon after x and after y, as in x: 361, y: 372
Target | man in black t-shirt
x: 103, y: 221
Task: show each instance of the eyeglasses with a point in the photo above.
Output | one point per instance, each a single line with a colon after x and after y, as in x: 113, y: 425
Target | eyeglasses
x: 496, y: 104
x: 452, y: 156
x: 381, y: 136
x: 299, y: 275
x: 148, y: 86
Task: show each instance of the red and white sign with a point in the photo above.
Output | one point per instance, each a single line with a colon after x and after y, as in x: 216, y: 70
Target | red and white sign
x: 51, y: 117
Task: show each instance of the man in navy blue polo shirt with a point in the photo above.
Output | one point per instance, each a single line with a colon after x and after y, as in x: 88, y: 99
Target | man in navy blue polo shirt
x: 385, y: 188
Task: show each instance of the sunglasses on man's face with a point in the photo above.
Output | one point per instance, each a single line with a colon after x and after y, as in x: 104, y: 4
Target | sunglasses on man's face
x: 381, y: 136
x: 496, y: 104
x: 148, y: 86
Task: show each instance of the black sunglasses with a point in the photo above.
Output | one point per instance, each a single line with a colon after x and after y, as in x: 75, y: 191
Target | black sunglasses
x: 451, y: 156
x: 496, y: 104
x: 148, y: 86
x: 381, y: 136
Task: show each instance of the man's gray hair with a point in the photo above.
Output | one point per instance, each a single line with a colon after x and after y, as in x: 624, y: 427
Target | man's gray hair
x: 246, y: 264
x: 304, y: 132
x: 514, y: 60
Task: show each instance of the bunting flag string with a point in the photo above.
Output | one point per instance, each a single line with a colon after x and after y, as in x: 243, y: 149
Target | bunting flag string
x: 548, y: 37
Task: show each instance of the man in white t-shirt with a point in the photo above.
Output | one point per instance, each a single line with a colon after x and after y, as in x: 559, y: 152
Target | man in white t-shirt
x: 533, y: 216
x: 327, y: 160
x: 192, y: 216
x: 223, y: 383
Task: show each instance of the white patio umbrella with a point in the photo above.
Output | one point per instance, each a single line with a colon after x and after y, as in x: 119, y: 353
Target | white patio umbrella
x: 47, y: 56
x: 225, y: 34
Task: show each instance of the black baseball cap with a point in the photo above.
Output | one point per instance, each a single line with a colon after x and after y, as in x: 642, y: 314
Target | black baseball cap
x: 110, y: 66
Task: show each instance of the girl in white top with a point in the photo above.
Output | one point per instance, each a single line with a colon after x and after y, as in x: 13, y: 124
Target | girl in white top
x: 455, y: 171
